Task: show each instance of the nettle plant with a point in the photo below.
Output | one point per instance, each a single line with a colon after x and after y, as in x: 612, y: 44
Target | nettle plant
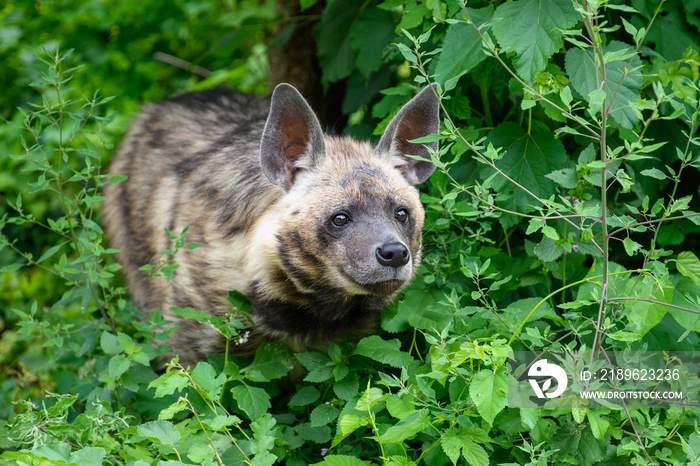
x: 562, y: 217
x: 593, y: 191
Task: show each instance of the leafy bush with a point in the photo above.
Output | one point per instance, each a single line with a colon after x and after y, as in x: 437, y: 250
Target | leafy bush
x: 563, y: 217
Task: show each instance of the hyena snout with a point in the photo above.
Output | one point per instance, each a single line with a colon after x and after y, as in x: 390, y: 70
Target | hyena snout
x: 394, y: 254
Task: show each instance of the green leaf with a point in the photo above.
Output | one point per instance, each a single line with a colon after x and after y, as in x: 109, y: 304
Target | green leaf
x: 342, y: 460
x: 475, y: 454
x: 271, y: 362
x: 405, y: 429
x: 566, y: 178
x: 163, y: 432
x: 387, y: 352
x: 335, y: 52
x: 528, y: 159
x: 621, y: 89
x: 654, y: 173
x: 117, y: 178
x: 452, y: 444
x: 91, y: 225
x: 168, y: 383
x: 305, y: 396
x: 688, y: 265
x: 350, y: 423
x: 88, y: 456
x: 110, y: 343
x: 631, y: 247
x: 320, y: 434
x: 550, y: 232
x: 599, y: 426
x: 200, y: 452
x: 399, y: 406
x: 264, y: 434
x: 489, y: 391
x: 118, y: 364
x: 548, y: 250
x: 531, y: 28
x: 254, y: 401
x: 126, y: 342
x: 323, y: 414
x: 205, y: 377
x: 369, y: 35
x: 461, y: 49
x: 348, y: 387
x: 50, y: 252
x: 11, y: 267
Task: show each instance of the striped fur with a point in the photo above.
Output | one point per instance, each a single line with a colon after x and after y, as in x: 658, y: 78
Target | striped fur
x: 259, y: 186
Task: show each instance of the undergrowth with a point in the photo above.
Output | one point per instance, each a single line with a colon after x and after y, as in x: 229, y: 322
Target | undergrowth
x: 563, y: 218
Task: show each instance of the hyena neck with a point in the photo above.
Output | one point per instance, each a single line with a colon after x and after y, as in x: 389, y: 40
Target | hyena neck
x: 316, y: 319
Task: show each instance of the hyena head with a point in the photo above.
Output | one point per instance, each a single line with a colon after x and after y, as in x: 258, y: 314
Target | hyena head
x: 350, y: 223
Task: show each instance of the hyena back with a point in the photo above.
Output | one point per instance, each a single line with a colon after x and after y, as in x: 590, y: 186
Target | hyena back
x: 320, y: 232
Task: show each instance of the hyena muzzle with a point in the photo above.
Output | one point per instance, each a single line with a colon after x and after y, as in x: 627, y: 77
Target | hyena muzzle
x: 319, y: 231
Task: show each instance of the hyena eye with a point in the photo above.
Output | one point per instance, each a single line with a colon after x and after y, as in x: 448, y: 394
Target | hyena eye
x: 401, y: 215
x: 340, y: 219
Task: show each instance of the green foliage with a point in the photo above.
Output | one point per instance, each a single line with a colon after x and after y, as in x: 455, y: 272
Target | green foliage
x: 563, y: 217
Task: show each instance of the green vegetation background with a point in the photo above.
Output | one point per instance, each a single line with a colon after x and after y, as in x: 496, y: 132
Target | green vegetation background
x: 563, y: 217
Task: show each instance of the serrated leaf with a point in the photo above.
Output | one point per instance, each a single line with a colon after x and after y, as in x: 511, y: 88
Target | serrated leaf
x: 88, y: 456
x: 207, y: 379
x: 350, y: 423
x: 387, y: 352
x: 372, y: 31
x: 532, y: 29
x: 219, y: 422
x: 565, y: 177
x: 528, y: 159
x: 475, y: 454
x: 335, y: 52
x: 550, y: 232
x: 399, y: 406
x: 462, y: 48
x: 254, y: 401
x: 405, y: 429
x: 323, y: 414
x: 622, y: 88
x: 110, y: 343
x: 348, y: 387
x: 599, y: 426
x: 342, y: 460
x: 320, y: 434
x: 118, y: 364
x: 271, y: 362
x: 168, y: 383
x: 548, y: 250
x: 126, y: 342
x: 489, y: 392
x: 452, y: 445
x: 161, y: 431
x: 688, y: 265
x: 305, y: 396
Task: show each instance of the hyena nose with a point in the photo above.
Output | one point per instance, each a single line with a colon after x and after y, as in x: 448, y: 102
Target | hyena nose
x: 393, y: 255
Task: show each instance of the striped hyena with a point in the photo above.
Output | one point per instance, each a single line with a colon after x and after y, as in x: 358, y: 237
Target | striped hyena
x: 319, y: 231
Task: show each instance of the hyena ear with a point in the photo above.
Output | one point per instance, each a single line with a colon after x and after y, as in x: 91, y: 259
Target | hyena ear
x: 292, y: 139
x: 418, y: 118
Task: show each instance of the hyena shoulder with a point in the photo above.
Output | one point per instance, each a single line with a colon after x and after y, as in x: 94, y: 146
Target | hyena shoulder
x: 320, y: 232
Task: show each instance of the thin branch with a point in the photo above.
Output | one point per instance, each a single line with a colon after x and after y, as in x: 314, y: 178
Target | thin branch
x: 182, y: 64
